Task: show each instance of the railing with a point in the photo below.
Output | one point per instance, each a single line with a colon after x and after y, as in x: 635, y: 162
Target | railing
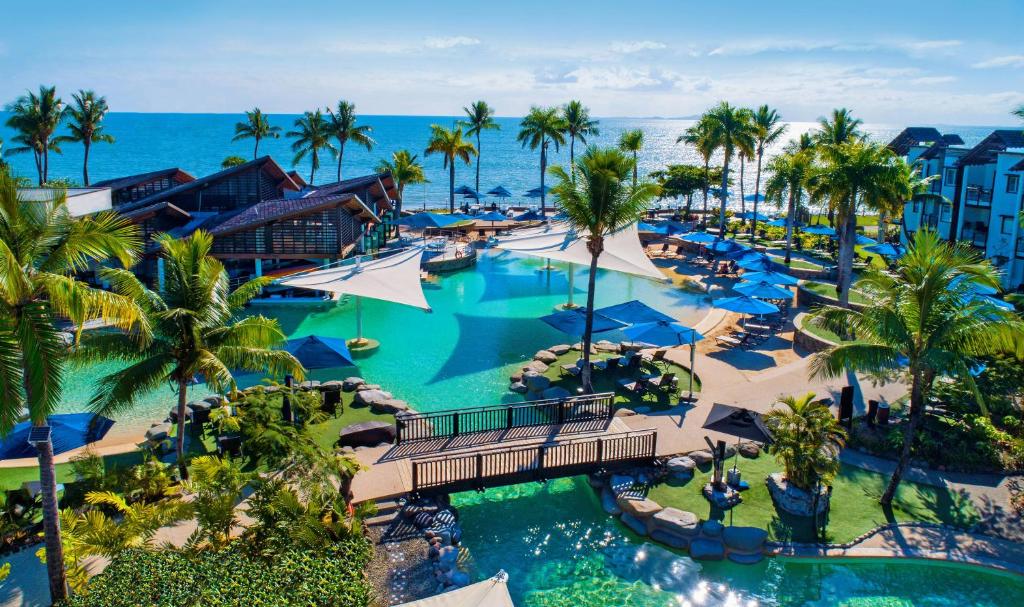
x: 458, y: 422
x: 512, y: 465
x: 978, y: 196
x: 978, y: 238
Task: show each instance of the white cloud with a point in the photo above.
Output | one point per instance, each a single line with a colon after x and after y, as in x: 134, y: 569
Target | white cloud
x: 614, y: 78
x: 929, y: 45
x: 451, y: 41
x: 1003, y: 61
x: 927, y: 80
x: 637, y: 46
x: 782, y: 46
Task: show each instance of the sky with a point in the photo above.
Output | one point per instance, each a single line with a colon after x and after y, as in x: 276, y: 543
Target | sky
x: 892, y: 62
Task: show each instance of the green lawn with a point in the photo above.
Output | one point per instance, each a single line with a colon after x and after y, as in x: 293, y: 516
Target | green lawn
x: 862, y: 220
x: 825, y: 334
x: 855, y: 508
x: 795, y: 262
x: 829, y: 290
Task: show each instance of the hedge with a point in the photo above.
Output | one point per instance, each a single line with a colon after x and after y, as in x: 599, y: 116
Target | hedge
x: 230, y: 577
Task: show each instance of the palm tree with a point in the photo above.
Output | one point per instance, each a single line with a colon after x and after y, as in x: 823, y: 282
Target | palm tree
x: 786, y: 175
x: 343, y: 128
x: 405, y: 169
x: 479, y: 117
x: 597, y: 199
x: 256, y: 127
x: 539, y: 128
x: 767, y: 131
x: 42, y: 248
x: 36, y: 118
x: 232, y: 161
x: 312, y: 134
x: 729, y: 129
x: 806, y: 440
x: 631, y: 141
x: 841, y: 127
x: 925, y: 317
x: 450, y: 144
x: 1019, y: 112
x: 577, y: 125
x: 699, y: 136
x: 195, y: 333
x: 907, y: 186
x: 86, y: 125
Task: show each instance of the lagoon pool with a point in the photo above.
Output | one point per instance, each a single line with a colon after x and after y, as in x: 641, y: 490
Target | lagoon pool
x: 561, y: 550
x: 484, y: 323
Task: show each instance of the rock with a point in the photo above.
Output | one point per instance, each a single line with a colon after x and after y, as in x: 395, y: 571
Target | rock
x: 215, y: 401
x: 792, y: 499
x: 362, y: 387
x: 560, y: 349
x: 331, y: 386
x: 536, y: 366
x: 459, y: 579
x: 366, y: 434
x: 535, y: 382
x: 634, y: 523
x: 516, y: 376
x: 746, y: 559
x: 730, y: 451
x: 448, y: 557
x: 608, y: 503
x: 271, y: 389
x: 555, y: 393
x: 606, y: 346
x: 681, y: 467
x: 712, y: 528
x: 723, y: 499
x: 158, y: 432
x: 744, y: 539
x: 201, y: 405
x: 349, y: 384
x: 578, y: 346
x: 518, y: 387
x: 625, y: 412
x: 172, y: 415
x: 669, y: 539
x: 365, y: 398
x: 701, y: 457
x: 640, y: 508
x: 545, y: 356
x: 631, y: 346
x: 703, y: 549
x: 392, y: 405
x: 675, y: 521
x: 749, y: 450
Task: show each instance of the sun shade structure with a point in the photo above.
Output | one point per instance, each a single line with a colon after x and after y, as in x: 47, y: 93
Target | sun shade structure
x: 573, y: 322
x: 739, y: 422
x: 724, y: 245
x: 428, y: 220
x: 492, y: 592
x: 751, y: 214
x: 67, y: 431
x: 530, y: 216
x: 886, y: 250
x: 667, y: 333
x: 315, y: 352
x: 745, y: 304
x: 781, y: 223
x: 395, y: 278
x: 761, y: 264
x: 762, y: 290
x: 698, y: 238
x: 634, y: 311
x: 500, y: 192
x: 775, y: 278
x: 820, y: 230
x: 490, y: 216
x: 860, y: 240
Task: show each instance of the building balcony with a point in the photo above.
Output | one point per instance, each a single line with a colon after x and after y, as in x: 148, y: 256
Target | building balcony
x: 929, y: 220
x: 974, y: 236
x: 935, y: 187
x: 977, y: 196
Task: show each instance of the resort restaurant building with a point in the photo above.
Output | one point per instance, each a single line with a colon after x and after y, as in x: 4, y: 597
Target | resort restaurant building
x: 265, y: 221
x: 976, y: 196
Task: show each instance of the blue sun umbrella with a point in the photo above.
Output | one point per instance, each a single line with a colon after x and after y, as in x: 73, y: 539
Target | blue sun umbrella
x: 746, y: 255
x: 428, y: 220
x: 762, y: 290
x: 820, y: 230
x: 462, y: 217
x: 530, y: 216
x: 860, y: 240
x: 886, y: 250
x: 473, y: 194
x: 643, y: 226
x: 999, y: 303
x: 67, y: 431
x: 763, y: 264
x: 754, y: 198
x: 782, y: 222
x: 499, y: 192
x: 463, y: 189
x: 491, y: 216
x: 724, y: 245
x: 316, y: 352
x: 698, y: 238
x: 974, y: 286
x: 744, y: 304
x: 633, y: 312
x: 573, y: 322
x: 667, y: 333
x: 775, y: 278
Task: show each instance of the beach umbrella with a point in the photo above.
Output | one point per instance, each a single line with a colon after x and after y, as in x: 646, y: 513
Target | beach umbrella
x: 698, y: 238
x: 530, y: 216
x: 762, y: 290
x: 752, y: 215
x: 860, y: 240
x: 724, y: 245
x: 463, y: 189
x: 886, y: 250
x: 573, y: 322
x: 763, y: 264
x: 633, y: 312
x: 316, y: 352
x: 746, y: 255
x: 820, y: 230
x: 744, y: 304
x: 428, y: 220
x: 974, y: 286
x: 499, y: 192
x: 491, y: 216
x: 754, y: 198
x: 775, y: 278
x: 67, y: 431
x: 782, y: 222
x: 739, y: 422
x: 999, y: 303
x: 643, y: 226
x: 667, y: 333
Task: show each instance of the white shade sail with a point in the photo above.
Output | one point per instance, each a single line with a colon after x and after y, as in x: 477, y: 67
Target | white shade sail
x: 622, y: 249
x: 488, y: 593
x: 394, y: 278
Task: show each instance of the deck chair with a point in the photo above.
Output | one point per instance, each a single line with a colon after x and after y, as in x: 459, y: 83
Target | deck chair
x: 631, y: 364
x: 657, y: 357
x: 632, y: 386
x: 572, y: 368
x: 728, y: 340
x: 666, y: 380
x: 612, y: 363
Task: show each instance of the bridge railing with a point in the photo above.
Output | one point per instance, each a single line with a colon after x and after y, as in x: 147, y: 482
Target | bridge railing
x: 496, y: 467
x: 459, y: 422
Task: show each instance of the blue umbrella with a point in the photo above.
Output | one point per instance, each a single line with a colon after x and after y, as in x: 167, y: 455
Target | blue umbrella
x: 859, y: 240
x: 67, y: 431
x: 491, y: 216
x: 463, y: 189
x: 763, y: 264
x: 428, y: 220
x: 746, y: 255
x: 530, y: 216
x: 535, y: 192
x: 574, y: 321
x: 820, y: 230
x: 462, y: 217
x: 500, y: 192
x: 744, y: 304
x: 754, y: 198
x: 782, y: 222
x: 473, y: 194
x: 974, y: 286
x: 698, y: 238
x: 725, y: 246
x: 643, y: 226
x: 886, y: 250
x: 666, y: 333
x: 634, y: 311
x: 762, y: 290
x: 751, y: 215
x: 775, y: 278
x: 315, y: 352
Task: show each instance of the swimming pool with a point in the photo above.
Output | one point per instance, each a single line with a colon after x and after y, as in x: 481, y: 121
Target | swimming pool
x: 484, y: 323
x: 561, y: 549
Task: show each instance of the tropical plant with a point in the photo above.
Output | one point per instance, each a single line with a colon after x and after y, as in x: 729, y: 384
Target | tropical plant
x: 683, y: 180
x: 451, y: 146
x: 215, y: 489
x: 42, y: 248
x: 597, y: 200
x: 699, y: 136
x: 36, y: 118
x: 343, y: 128
x: 926, y: 317
x: 538, y: 129
x: 86, y: 125
x: 256, y: 127
x: 312, y: 135
x: 268, y: 436
x: 479, y: 118
x: 195, y: 333
x: 232, y: 161
x: 840, y: 128
x: 907, y: 185
x: 806, y: 440
x: 730, y: 130
x: 632, y: 141
x: 577, y: 124
x: 787, y: 173
x: 405, y: 169
x: 767, y: 131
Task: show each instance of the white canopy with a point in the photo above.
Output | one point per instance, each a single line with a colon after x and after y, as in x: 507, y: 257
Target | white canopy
x: 622, y: 250
x: 488, y: 593
x: 394, y: 278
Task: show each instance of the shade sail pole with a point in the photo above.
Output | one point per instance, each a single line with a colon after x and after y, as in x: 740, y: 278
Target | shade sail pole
x: 359, y: 319
x: 693, y: 358
x: 572, y: 274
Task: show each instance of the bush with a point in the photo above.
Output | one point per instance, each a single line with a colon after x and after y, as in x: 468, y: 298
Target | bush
x: 231, y: 577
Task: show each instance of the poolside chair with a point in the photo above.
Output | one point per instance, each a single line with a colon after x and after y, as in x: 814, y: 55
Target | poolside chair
x: 728, y: 340
x: 573, y: 369
x: 612, y: 363
x: 631, y: 363
x: 633, y: 386
x: 665, y: 381
x: 332, y: 401
x: 657, y: 357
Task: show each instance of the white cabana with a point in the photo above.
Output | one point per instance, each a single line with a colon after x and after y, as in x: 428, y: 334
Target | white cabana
x: 394, y: 278
x: 488, y: 593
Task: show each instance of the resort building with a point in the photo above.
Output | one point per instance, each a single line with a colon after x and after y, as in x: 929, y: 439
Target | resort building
x: 80, y: 201
x: 976, y: 196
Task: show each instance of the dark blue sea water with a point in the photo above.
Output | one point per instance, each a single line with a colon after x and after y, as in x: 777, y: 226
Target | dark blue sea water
x: 198, y: 143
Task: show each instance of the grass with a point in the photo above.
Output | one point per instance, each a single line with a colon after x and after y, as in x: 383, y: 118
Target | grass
x: 855, y: 509
x: 862, y: 220
x: 829, y: 291
x: 811, y: 328
x: 800, y: 264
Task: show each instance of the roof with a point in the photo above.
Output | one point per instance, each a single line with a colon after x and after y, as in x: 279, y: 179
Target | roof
x: 1018, y: 167
x: 149, y: 211
x: 119, y: 183
x: 381, y: 187
x: 997, y: 141
x: 297, y: 178
x: 911, y: 136
x: 283, y: 208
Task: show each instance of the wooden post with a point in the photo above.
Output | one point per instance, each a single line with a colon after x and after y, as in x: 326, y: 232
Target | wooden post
x: 561, y: 412
x: 508, y: 418
x: 415, y: 477
x: 540, y: 462
x: 480, y: 470
x: 600, y: 450
x: 455, y: 424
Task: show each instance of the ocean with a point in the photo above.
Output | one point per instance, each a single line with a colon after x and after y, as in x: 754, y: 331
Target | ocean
x: 197, y: 143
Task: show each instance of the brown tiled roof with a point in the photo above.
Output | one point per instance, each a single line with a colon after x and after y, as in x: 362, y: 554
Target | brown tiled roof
x: 997, y: 141
x: 911, y: 136
x: 120, y: 183
x: 283, y: 208
x: 146, y: 211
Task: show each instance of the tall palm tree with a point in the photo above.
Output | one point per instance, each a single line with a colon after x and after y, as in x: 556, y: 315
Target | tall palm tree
x: 343, y: 127
x: 42, y: 248
x: 405, y: 169
x: 256, y: 127
x: 699, y: 136
x: 1019, y: 112
x: 195, y: 333
x: 479, y: 118
x: 538, y: 129
x: 786, y: 175
x: 450, y: 144
x: 767, y: 131
x: 907, y: 185
x: 840, y: 127
x: 806, y: 439
x: 730, y: 130
x: 925, y: 317
x: 36, y: 118
x: 86, y: 125
x: 632, y: 141
x: 577, y: 125
x: 312, y: 134
x: 598, y: 199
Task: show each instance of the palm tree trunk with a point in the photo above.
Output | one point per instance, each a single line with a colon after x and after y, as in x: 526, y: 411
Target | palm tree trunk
x: 478, y: 162
x: 179, y: 442
x: 882, y: 220
x: 689, y: 206
x: 85, y: 165
x: 634, y: 169
x: 341, y: 155
x: 847, y: 238
x: 916, y: 416
x: 790, y: 221
x: 312, y: 169
x: 707, y: 185
x: 543, y: 169
x: 724, y: 194
x: 51, y: 524
x: 588, y: 387
x: 451, y: 186
x: 46, y: 161
x: 743, y: 198
x: 256, y: 149
x: 572, y: 153
x: 39, y: 166
x: 757, y: 193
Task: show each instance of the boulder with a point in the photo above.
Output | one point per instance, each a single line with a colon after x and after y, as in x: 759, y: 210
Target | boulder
x: 681, y: 467
x: 638, y: 507
x: 794, y: 500
x: 634, y: 523
x: 701, y: 457
x: 624, y: 412
x: 536, y: 366
x: 215, y: 401
x: 459, y: 579
x: 331, y: 386
x: 746, y: 559
x: 749, y: 450
x: 366, y: 398
x: 158, y: 432
x: 744, y: 539
x: 545, y: 356
x: 172, y: 415
x: 730, y: 451
x: 392, y: 405
x: 703, y: 549
x: 675, y: 521
x: 670, y: 539
x: 712, y: 528
x: 631, y: 346
x: 518, y: 387
x: 606, y: 346
x: 366, y: 434
x: 516, y: 376
x: 362, y: 387
x: 560, y: 349
x: 535, y: 382
x: 448, y: 557
x: 555, y: 393
x: 349, y: 384
x: 608, y: 503
x: 201, y: 405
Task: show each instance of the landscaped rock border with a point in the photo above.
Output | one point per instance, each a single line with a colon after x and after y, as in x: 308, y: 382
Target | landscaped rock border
x: 806, y: 340
x: 809, y: 299
x: 439, y: 522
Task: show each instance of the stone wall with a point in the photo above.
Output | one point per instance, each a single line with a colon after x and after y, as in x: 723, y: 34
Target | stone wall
x: 805, y: 340
x: 805, y: 298
x: 440, y: 266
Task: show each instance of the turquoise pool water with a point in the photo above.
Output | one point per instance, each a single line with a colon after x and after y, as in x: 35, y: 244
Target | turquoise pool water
x: 484, y: 322
x: 561, y: 550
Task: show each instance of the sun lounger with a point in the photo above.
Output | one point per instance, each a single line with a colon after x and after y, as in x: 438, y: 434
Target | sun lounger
x: 572, y: 368
x: 633, y: 386
x: 662, y: 382
x: 728, y: 340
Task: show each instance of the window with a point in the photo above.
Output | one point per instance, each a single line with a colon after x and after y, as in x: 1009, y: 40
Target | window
x: 1006, y: 224
x: 1012, y: 184
x: 944, y: 212
x: 917, y: 206
x: 950, y: 176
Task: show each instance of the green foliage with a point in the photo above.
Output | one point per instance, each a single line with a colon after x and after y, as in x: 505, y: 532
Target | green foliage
x: 256, y: 127
x: 405, y: 168
x: 806, y: 439
x: 216, y: 487
x: 343, y: 128
x: 312, y: 135
x: 232, y: 161
x: 267, y: 436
